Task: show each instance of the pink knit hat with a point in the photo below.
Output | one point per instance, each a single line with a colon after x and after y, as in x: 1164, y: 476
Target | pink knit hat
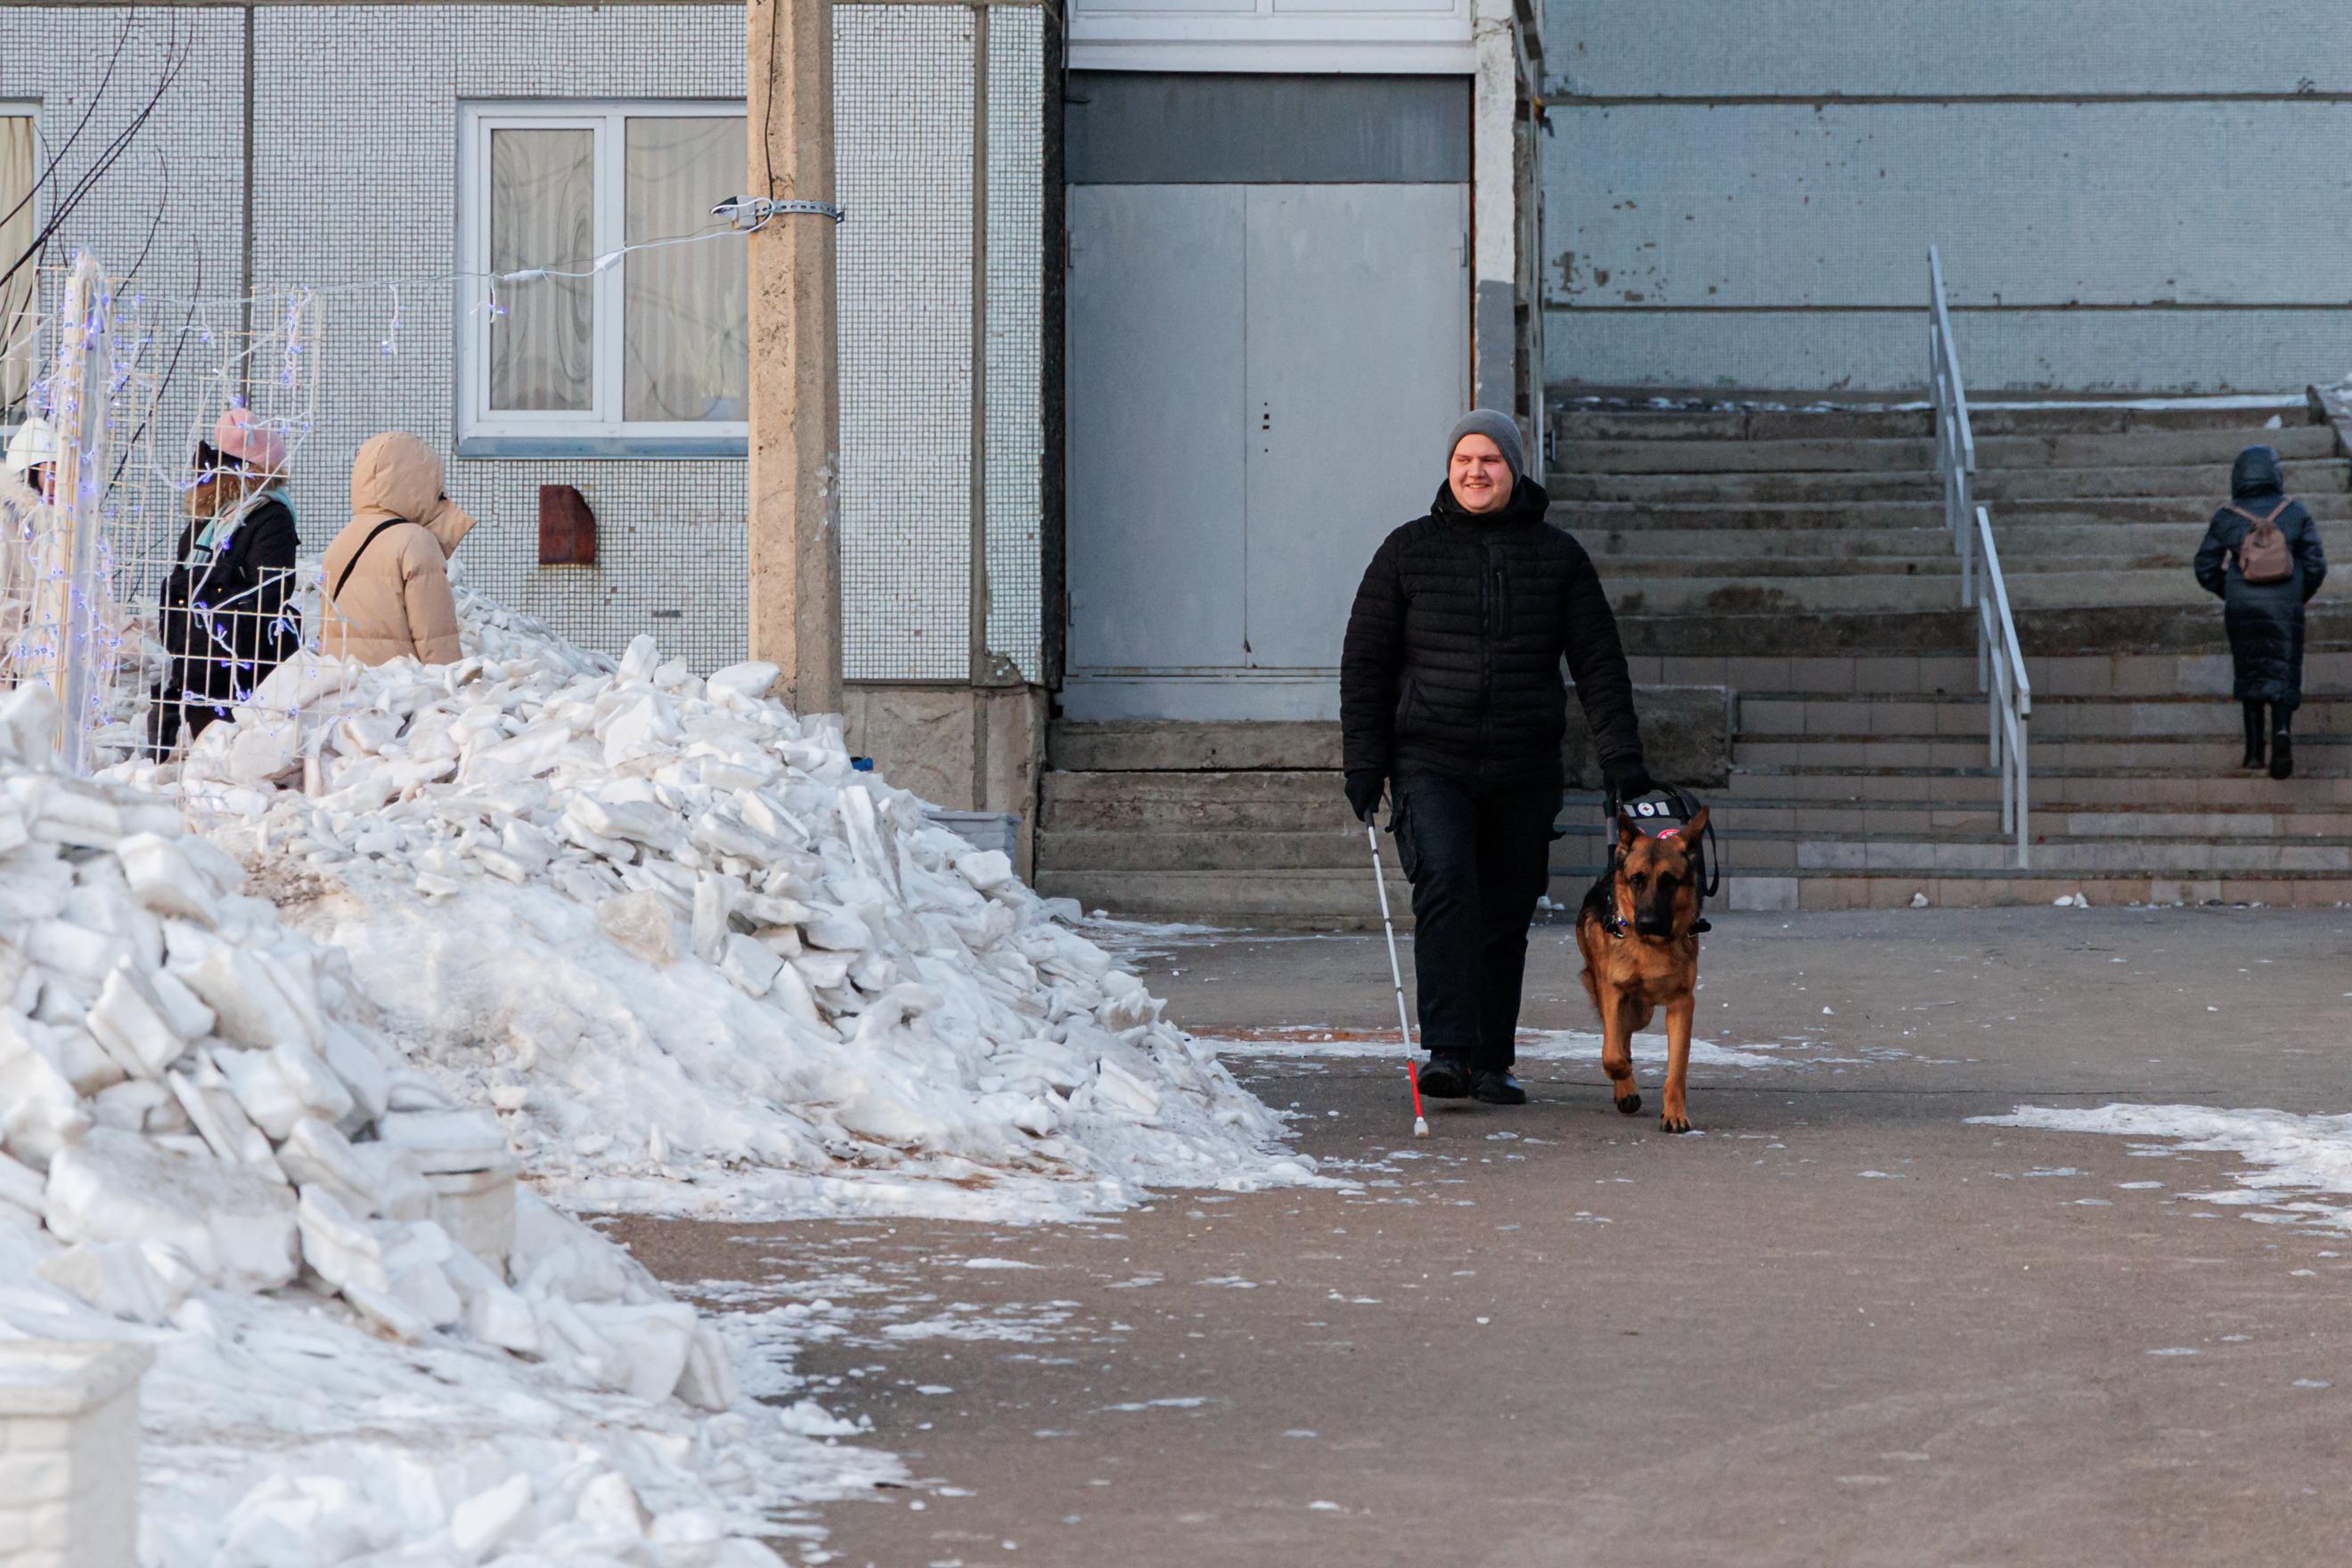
x: 240, y: 436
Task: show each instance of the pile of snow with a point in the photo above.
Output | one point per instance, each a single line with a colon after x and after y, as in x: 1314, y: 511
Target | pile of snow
x: 698, y: 960
x: 195, y: 1110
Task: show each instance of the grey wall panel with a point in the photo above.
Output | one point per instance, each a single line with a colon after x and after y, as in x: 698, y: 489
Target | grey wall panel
x: 1133, y: 128
x: 2088, y: 351
x: 1858, y: 47
x: 2032, y: 204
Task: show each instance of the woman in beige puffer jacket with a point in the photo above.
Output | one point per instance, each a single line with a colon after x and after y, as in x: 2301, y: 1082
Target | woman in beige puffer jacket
x: 387, y: 576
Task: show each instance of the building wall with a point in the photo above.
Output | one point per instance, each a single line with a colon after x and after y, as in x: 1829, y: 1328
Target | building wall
x: 2129, y: 194
x: 354, y: 122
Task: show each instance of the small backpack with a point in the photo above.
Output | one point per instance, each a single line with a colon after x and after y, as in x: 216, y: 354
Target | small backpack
x: 2262, y: 554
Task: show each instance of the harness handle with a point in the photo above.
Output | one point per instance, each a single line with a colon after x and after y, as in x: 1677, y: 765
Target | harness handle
x: 1687, y: 808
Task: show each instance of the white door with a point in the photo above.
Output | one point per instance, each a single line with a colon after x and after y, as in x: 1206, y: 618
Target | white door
x: 1260, y: 378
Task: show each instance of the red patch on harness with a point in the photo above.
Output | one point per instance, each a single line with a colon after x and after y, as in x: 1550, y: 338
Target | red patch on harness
x: 1668, y: 833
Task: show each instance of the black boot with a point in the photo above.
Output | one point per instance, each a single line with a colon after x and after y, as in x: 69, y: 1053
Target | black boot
x: 2282, y: 745
x: 1496, y: 1086
x: 2256, y: 727
x: 1445, y: 1078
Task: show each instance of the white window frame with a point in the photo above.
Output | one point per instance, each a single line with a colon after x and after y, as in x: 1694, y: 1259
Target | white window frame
x: 600, y: 429
x: 24, y: 108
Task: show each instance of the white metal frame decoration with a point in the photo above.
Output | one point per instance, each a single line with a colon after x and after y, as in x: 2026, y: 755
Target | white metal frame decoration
x: 2001, y: 660
x: 475, y: 303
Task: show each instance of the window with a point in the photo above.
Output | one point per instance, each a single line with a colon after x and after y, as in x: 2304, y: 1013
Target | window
x: 647, y: 353
x: 18, y: 296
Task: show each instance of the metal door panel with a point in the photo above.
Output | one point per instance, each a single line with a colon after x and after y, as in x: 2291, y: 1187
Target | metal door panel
x: 1359, y: 361
x: 1155, y: 424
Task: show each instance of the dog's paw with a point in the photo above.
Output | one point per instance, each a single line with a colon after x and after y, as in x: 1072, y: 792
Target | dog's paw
x: 1670, y: 1122
x: 1630, y: 1104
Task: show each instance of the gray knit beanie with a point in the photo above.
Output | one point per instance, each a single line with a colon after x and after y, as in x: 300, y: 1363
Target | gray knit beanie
x: 1500, y: 428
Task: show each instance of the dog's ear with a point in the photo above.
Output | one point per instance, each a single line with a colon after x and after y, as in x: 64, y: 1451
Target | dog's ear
x: 1695, y: 825
x: 1628, y: 830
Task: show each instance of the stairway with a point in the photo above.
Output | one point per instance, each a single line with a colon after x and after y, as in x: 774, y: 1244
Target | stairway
x: 1804, y: 552
x: 1798, y: 558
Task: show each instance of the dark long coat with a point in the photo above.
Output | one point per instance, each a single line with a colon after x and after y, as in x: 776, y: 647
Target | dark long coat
x: 2264, y: 620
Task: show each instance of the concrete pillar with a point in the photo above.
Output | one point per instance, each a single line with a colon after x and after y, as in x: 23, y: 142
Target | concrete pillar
x: 1494, y: 208
x: 70, y: 1452
x: 795, y: 405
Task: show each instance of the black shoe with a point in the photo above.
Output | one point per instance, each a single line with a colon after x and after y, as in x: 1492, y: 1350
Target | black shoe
x: 1446, y: 1078
x: 1496, y: 1086
x: 2281, y: 755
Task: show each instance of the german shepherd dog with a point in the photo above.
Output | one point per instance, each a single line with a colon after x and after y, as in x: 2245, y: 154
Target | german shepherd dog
x: 1639, y: 953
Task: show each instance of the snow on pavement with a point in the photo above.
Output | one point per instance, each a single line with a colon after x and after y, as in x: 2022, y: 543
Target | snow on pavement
x: 2295, y: 1156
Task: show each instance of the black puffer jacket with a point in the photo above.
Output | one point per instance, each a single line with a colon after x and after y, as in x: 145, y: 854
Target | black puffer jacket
x: 2264, y: 620
x: 1452, y: 666
x: 227, y: 617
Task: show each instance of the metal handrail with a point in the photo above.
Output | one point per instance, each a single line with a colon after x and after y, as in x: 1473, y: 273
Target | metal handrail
x: 2001, y: 659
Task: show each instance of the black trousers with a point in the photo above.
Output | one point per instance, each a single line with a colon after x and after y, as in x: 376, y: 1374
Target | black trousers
x: 1478, y: 860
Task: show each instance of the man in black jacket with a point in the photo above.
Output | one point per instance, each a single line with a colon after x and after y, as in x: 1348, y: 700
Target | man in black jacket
x: 1450, y: 692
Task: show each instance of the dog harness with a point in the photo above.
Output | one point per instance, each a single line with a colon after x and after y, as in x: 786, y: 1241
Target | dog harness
x: 1661, y: 815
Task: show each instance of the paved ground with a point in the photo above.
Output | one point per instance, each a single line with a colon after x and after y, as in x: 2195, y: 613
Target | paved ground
x: 1844, y: 1326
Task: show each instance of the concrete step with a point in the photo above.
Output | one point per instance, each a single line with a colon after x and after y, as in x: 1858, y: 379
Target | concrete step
x: 2209, y: 788
x: 2023, y: 546
x: 2000, y: 485
x: 1700, y: 589
x: 2171, y: 449
x: 1586, y: 517
x: 1745, y: 819
x: 1771, y: 630
x: 1705, y: 415
x: 1264, y: 900
x: 1160, y: 745
x: 1092, y: 851
x: 2053, y: 718
x: 2197, y: 675
x: 2320, y: 756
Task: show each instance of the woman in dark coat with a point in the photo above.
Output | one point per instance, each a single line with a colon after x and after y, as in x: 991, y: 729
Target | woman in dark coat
x: 2264, y: 619
x: 227, y: 611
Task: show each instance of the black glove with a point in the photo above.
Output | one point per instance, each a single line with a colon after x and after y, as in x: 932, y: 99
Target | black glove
x: 1630, y: 780
x: 1364, y: 793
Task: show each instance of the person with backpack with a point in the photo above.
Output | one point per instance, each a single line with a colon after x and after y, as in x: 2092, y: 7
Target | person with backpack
x: 2262, y: 556
x: 386, y: 589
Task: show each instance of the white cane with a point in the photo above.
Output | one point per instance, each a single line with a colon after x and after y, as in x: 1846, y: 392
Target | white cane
x: 1396, y: 978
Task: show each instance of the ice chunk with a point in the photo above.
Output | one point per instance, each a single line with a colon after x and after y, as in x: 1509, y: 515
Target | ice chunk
x: 650, y: 1343
x: 236, y: 1226
x: 989, y: 870
x: 340, y: 1247
x: 162, y: 878
x: 144, y: 1281
x: 39, y: 1112
x: 279, y: 1086
x: 447, y: 1141
x: 129, y: 1021
x: 242, y: 989
x: 489, y: 1517
x: 22, y: 1186
x: 749, y: 965
x: 643, y: 924
x: 742, y: 683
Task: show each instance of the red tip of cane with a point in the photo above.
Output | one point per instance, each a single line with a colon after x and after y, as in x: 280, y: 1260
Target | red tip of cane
x: 1412, y: 1076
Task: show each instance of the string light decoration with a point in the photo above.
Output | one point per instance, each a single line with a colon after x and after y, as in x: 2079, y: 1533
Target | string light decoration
x: 167, y: 369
